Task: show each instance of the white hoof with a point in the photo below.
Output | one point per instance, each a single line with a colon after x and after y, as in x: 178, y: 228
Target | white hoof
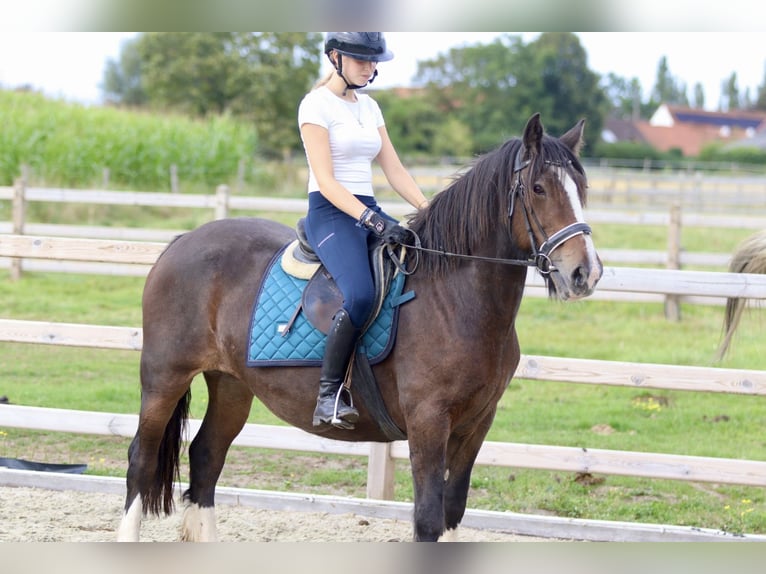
x: 449, y: 536
x: 199, y: 524
x: 131, y: 522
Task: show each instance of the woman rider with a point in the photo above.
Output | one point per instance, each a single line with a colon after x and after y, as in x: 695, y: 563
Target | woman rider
x: 343, y: 132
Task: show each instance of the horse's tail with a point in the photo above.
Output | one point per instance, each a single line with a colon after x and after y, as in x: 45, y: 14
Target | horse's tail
x: 749, y: 257
x: 160, y: 497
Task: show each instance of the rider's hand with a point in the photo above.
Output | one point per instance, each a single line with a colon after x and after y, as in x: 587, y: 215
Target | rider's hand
x: 388, y: 230
x: 396, y: 234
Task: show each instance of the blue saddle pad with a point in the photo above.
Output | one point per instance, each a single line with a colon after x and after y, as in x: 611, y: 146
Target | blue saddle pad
x: 303, y: 344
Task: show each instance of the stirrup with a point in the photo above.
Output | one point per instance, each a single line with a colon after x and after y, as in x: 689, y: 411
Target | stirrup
x: 338, y: 422
x: 334, y: 419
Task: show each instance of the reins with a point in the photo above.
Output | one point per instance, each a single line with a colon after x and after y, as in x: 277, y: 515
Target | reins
x: 540, y: 257
x: 419, y: 248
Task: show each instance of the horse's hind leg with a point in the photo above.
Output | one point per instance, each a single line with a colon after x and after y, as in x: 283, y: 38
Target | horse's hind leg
x: 229, y: 402
x: 150, y: 476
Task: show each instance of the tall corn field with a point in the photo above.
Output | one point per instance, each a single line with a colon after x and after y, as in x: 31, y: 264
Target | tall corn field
x: 70, y: 145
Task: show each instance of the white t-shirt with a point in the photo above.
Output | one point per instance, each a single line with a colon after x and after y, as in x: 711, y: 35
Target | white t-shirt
x: 354, y: 137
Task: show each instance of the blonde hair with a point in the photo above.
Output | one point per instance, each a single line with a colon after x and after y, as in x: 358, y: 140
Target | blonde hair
x: 322, y: 81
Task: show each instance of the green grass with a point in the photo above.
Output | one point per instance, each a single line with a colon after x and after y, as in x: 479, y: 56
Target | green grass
x: 535, y: 412
x: 654, y: 237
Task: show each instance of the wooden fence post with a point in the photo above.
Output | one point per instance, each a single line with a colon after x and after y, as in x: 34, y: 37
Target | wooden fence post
x: 240, y: 176
x: 380, y: 472
x: 222, y: 202
x: 673, y: 302
x: 19, y: 207
x: 174, y: 178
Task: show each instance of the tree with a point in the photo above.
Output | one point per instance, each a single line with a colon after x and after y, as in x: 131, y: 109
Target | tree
x: 280, y: 67
x: 667, y: 89
x: 699, y: 96
x: 494, y: 88
x: 746, y: 102
x: 452, y: 139
x: 561, y: 86
x: 189, y: 72
x: 623, y: 95
x: 258, y: 76
x: 412, y: 120
x: 122, y: 78
x: 760, y: 98
x: 474, y: 83
x: 625, y: 98
x: 730, y: 98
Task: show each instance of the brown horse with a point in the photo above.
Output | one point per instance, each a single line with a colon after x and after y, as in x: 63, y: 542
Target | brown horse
x: 518, y: 206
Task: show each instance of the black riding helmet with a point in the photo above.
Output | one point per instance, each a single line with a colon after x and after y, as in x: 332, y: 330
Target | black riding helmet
x: 367, y: 46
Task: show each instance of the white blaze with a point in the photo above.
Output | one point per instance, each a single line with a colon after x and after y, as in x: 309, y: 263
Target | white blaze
x: 574, y: 200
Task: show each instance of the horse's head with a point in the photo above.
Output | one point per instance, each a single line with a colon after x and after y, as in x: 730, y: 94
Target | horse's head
x: 547, y: 198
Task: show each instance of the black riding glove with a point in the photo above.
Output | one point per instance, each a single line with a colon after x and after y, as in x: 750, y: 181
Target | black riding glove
x: 389, y: 231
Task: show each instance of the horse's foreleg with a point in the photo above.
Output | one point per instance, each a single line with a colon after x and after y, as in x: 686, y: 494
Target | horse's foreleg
x: 461, y: 455
x: 427, y: 459
x: 228, y: 408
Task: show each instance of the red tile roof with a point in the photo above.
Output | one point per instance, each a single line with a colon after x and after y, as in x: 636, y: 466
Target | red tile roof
x: 692, y: 130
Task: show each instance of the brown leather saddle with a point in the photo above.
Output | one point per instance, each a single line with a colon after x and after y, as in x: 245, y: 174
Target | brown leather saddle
x: 321, y: 297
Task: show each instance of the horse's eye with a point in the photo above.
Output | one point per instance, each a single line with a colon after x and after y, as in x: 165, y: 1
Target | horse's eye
x: 538, y: 189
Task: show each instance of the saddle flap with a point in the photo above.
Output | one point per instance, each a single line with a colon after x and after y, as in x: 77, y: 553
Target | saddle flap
x: 321, y: 299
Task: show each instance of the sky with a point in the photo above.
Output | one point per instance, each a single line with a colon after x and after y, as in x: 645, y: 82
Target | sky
x: 70, y: 65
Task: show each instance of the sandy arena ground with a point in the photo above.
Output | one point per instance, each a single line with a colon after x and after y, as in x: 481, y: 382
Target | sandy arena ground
x: 40, y: 515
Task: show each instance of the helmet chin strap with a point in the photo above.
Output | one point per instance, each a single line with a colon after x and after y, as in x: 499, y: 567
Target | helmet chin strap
x: 339, y: 70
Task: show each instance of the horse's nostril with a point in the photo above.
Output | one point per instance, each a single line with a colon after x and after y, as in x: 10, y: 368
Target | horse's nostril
x: 579, y: 277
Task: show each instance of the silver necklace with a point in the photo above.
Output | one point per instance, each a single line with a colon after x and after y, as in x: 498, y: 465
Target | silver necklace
x: 356, y: 112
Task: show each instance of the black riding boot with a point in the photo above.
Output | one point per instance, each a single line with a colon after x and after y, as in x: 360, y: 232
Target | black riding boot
x: 332, y: 407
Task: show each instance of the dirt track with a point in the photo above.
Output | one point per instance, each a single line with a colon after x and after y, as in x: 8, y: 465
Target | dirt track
x: 39, y: 515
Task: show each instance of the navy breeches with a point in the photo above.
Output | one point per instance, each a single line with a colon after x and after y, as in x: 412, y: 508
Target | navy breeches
x: 342, y: 246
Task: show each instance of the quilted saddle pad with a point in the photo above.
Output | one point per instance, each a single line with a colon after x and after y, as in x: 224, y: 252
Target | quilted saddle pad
x: 303, y: 345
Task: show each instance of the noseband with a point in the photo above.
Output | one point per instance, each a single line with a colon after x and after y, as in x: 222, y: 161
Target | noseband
x: 541, y: 256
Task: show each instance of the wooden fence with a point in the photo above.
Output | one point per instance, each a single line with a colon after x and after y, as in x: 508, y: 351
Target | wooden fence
x: 633, y: 375
x: 645, y: 189
x: 223, y: 203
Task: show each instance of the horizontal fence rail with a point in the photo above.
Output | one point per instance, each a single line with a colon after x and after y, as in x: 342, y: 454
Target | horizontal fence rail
x: 531, y: 367
x: 625, y: 215
x: 619, y: 279
x: 514, y: 455
x: 629, y: 256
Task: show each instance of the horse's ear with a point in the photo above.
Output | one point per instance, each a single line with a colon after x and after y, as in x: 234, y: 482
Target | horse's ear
x: 573, y: 138
x: 533, y: 134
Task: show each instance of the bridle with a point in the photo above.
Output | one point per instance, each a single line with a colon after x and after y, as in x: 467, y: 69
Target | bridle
x: 541, y: 256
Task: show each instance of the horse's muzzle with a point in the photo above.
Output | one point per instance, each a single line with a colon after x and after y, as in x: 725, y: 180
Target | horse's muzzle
x: 571, y: 282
